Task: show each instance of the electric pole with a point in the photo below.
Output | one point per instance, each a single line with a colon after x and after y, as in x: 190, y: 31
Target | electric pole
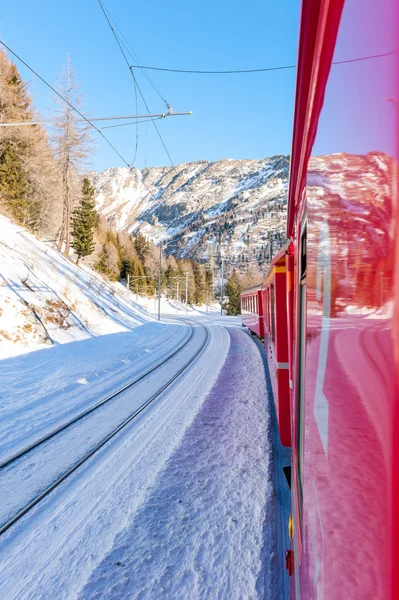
x: 186, y: 292
x: 159, y: 281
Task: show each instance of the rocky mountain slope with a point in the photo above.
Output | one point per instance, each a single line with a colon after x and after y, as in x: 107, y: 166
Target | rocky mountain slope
x: 239, y: 205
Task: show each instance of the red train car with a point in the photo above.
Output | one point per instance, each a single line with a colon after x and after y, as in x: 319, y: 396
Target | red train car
x: 343, y: 219
x: 274, y: 297
x: 252, y: 310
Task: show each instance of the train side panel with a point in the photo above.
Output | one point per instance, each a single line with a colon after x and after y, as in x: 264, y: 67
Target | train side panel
x: 252, y: 311
x: 343, y: 217
x: 276, y: 342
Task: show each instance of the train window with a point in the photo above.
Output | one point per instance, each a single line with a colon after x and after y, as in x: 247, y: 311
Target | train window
x: 273, y: 313
x: 301, y: 368
x: 256, y: 303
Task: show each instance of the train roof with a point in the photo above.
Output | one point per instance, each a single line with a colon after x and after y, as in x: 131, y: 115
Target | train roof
x: 314, y: 63
x: 251, y: 290
x: 288, y: 248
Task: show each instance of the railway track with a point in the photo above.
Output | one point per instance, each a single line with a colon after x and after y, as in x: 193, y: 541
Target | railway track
x: 12, y: 460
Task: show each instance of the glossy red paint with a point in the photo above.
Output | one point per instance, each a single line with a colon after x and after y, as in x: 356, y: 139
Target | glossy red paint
x: 274, y: 292
x: 252, y: 310
x: 344, y: 336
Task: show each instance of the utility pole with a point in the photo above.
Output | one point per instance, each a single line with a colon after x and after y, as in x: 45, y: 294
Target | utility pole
x: 128, y: 282
x: 159, y: 281
x: 186, y: 292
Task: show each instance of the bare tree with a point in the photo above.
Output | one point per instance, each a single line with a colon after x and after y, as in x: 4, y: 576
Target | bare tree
x: 71, y: 141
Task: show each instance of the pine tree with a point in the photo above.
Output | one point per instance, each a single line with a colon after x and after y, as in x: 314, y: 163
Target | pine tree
x: 13, y: 184
x: 14, y: 107
x: 84, y: 218
x: 141, y: 246
x: 28, y: 185
x: 199, y: 284
x: 233, y: 291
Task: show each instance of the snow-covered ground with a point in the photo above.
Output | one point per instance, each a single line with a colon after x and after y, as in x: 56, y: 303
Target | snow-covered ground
x: 205, y: 529
x: 179, y: 503
x: 46, y: 299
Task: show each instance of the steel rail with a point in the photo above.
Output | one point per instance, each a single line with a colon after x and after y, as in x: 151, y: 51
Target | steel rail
x: 103, y: 442
x: 7, y: 461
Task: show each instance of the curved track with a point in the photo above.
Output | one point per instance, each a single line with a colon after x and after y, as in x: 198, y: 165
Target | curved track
x: 66, y: 473
x: 9, y: 460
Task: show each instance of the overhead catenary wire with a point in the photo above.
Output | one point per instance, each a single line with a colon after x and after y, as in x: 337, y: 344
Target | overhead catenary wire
x: 132, y: 123
x: 127, y: 62
x: 146, y: 117
x: 65, y: 100
x: 134, y: 79
x: 137, y: 123
x: 134, y: 56
x: 261, y: 70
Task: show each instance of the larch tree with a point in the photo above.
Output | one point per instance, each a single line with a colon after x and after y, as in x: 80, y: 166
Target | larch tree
x: 71, y: 139
x: 84, y: 218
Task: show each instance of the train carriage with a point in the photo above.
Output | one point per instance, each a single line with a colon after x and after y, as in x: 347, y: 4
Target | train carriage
x: 274, y: 296
x: 252, y: 310
x: 342, y: 217
x: 330, y: 305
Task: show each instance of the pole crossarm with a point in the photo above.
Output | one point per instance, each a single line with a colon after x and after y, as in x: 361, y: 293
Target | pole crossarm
x: 116, y: 118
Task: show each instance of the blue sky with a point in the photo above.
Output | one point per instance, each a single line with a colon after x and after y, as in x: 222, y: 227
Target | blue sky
x: 240, y: 116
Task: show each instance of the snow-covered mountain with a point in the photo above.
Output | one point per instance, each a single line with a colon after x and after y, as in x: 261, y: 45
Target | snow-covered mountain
x: 240, y: 204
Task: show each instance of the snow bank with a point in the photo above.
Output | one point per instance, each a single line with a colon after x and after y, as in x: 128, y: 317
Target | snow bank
x: 46, y: 299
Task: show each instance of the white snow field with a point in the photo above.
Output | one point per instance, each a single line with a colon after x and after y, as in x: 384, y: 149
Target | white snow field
x: 46, y: 299
x: 205, y: 529
x: 179, y: 503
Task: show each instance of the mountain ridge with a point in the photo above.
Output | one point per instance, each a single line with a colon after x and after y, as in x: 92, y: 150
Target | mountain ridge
x: 239, y: 204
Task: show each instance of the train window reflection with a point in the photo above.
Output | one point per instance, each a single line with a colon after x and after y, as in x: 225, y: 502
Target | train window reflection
x: 301, y: 371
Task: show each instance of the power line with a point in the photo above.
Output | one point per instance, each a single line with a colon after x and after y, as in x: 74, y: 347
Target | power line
x: 65, y: 100
x: 134, y: 56
x: 136, y: 83
x: 131, y: 123
x: 212, y: 72
x: 127, y: 62
x: 262, y: 70
x: 137, y: 123
x: 147, y: 117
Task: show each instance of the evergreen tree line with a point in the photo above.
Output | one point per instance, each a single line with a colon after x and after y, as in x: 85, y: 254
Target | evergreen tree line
x: 135, y: 261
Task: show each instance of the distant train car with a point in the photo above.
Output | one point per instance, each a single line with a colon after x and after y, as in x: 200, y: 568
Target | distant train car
x: 252, y: 310
x: 274, y: 297
x: 343, y: 343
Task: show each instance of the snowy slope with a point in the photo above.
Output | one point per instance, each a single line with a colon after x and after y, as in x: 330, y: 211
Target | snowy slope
x: 46, y: 299
x: 191, y: 203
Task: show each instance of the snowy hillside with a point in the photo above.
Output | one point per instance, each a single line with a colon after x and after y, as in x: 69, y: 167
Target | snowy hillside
x: 46, y: 299
x: 238, y: 203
